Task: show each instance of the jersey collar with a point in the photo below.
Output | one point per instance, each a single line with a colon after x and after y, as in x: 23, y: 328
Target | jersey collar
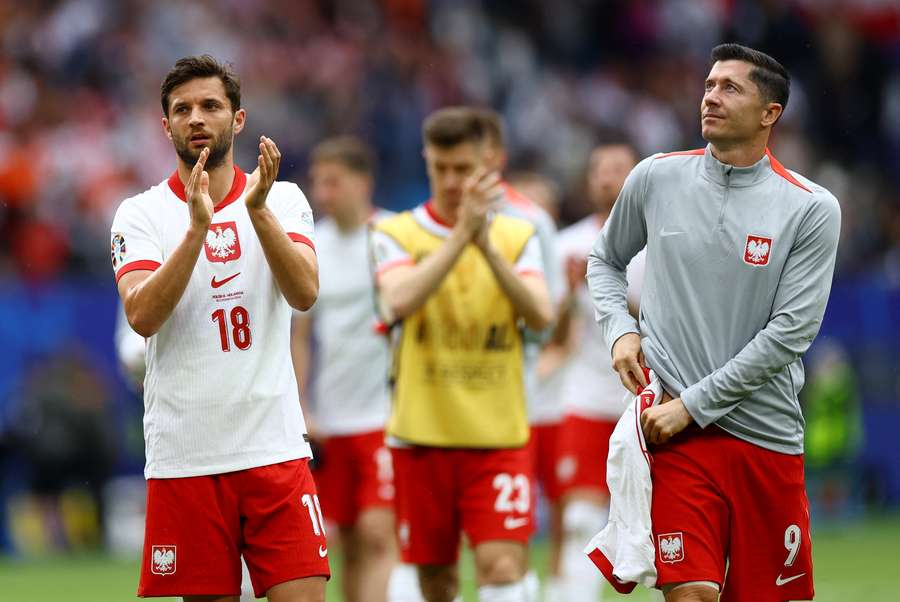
x: 237, y: 188
x: 729, y: 175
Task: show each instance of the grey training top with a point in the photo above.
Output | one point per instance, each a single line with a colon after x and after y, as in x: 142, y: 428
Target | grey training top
x: 739, y: 267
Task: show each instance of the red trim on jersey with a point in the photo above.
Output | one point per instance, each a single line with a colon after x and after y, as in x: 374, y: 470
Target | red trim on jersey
x: 778, y: 168
x: 517, y: 198
x: 696, y: 151
x: 380, y: 327
x: 393, y: 264
x: 530, y: 272
x: 433, y: 214
x: 237, y: 188
x: 142, y: 264
x: 300, y: 238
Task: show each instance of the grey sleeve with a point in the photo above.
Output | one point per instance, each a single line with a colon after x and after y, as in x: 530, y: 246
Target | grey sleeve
x: 622, y: 237
x: 796, y: 316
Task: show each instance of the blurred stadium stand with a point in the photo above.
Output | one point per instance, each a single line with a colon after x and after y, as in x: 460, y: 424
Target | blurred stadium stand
x: 80, y: 130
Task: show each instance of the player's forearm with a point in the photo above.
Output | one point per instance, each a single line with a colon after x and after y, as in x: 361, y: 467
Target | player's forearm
x: 150, y: 302
x: 296, y: 275
x: 532, y: 303
x: 404, y: 292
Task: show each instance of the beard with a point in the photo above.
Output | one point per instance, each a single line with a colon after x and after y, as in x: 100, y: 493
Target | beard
x: 218, y: 149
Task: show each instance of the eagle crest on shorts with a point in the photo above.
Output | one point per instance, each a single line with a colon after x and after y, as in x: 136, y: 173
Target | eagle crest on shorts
x: 671, y: 547
x: 162, y: 560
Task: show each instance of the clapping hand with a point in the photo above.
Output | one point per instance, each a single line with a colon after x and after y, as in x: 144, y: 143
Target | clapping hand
x: 264, y: 175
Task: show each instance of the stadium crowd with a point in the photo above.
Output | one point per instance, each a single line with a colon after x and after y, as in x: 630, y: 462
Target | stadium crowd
x: 79, y: 130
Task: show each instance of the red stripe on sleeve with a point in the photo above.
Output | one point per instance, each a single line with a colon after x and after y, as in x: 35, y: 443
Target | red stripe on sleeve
x: 300, y: 238
x: 143, y: 264
x: 393, y: 264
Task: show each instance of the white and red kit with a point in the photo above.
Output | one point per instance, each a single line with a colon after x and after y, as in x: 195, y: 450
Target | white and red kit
x: 220, y: 393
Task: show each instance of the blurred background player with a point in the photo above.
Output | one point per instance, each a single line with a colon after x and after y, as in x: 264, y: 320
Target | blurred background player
x: 214, y: 299
x: 590, y: 391
x: 512, y: 202
x: 456, y: 281
x: 351, y: 358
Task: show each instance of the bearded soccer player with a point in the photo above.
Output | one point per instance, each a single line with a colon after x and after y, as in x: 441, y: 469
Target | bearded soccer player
x: 456, y: 280
x: 740, y: 256
x: 350, y: 399
x: 208, y: 269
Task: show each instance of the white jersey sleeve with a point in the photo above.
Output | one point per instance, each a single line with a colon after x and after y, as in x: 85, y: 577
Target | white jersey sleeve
x: 530, y: 260
x: 134, y: 239
x: 387, y: 253
x: 293, y: 212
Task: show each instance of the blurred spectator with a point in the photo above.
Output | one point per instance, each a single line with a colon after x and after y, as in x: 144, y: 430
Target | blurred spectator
x: 79, y: 130
x: 64, y: 433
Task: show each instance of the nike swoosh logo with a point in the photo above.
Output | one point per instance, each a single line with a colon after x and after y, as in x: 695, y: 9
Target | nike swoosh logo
x: 323, y: 552
x: 664, y: 233
x: 217, y: 283
x: 511, y: 523
x: 779, y: 581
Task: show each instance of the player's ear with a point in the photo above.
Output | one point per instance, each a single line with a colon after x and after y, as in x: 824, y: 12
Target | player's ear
x: 166, y: 128
x: 240, y: 118
x: 771, y: 114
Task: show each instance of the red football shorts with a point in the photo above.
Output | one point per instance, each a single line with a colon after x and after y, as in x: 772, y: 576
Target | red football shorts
x: 716, y: 497
x: 543, y: 446
x: 198, y: 527
x: 355, y: 474
x: 441, y: 492
x: 583, y: 449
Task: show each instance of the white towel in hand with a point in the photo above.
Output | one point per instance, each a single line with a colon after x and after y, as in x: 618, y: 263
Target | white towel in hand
x: 624, y: 550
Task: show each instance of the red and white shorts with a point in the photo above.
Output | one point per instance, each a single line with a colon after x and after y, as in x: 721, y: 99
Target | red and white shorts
x: 441, y: 492
x: 544, y: 448
x: 716, y: 497
x: 582, y: 451
x: 197, y: 528
x: 355, y: 473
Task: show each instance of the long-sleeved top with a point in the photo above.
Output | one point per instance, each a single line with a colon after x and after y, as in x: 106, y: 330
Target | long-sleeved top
x: 739, y: 268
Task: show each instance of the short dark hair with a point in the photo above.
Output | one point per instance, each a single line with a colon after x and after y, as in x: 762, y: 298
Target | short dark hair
x: 349, y: 151
x: 769, y: 75
x: 453, y: 125
x: 493, y: 126
x: 194, y: 67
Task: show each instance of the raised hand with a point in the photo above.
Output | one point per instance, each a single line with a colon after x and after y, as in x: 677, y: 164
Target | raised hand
x: 479, y: 191
x: 200, y: 204
x: 268, y: 162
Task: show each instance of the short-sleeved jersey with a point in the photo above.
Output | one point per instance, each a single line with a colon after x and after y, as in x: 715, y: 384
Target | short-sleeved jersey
x: 457, y: 363
x: 220, y: 392
x: 350, y: 394
x: 543, y: 405
x: 589, y: 387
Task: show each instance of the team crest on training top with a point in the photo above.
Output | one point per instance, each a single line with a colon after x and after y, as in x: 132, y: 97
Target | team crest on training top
x: 670, y: 546
x: 162, y: 560
x: 222, y: 243
x: 117, y: 250
x: 757, y: 250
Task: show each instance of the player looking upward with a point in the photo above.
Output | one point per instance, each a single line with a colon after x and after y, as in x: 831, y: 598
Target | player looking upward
x: 740, y: 256
x: 208, y: 270
x: 590, y: 391
x: 350, y: 400
x: 456, y: 280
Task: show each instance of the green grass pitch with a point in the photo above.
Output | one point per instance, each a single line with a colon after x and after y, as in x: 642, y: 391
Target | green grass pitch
x: 860, y: 562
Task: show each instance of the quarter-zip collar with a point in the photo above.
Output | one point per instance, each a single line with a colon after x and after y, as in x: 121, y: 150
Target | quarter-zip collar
x: 729, y: 175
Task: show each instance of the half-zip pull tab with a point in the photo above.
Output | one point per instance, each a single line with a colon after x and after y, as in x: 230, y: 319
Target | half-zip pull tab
x: 725, y: 195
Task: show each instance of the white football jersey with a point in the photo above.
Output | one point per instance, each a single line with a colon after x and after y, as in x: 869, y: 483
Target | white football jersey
x: 589, y: 387
x: 220, y: 393
x: 350, y: 393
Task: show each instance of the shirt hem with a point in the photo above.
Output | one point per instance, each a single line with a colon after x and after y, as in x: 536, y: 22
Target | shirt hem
x: 305, y: 452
